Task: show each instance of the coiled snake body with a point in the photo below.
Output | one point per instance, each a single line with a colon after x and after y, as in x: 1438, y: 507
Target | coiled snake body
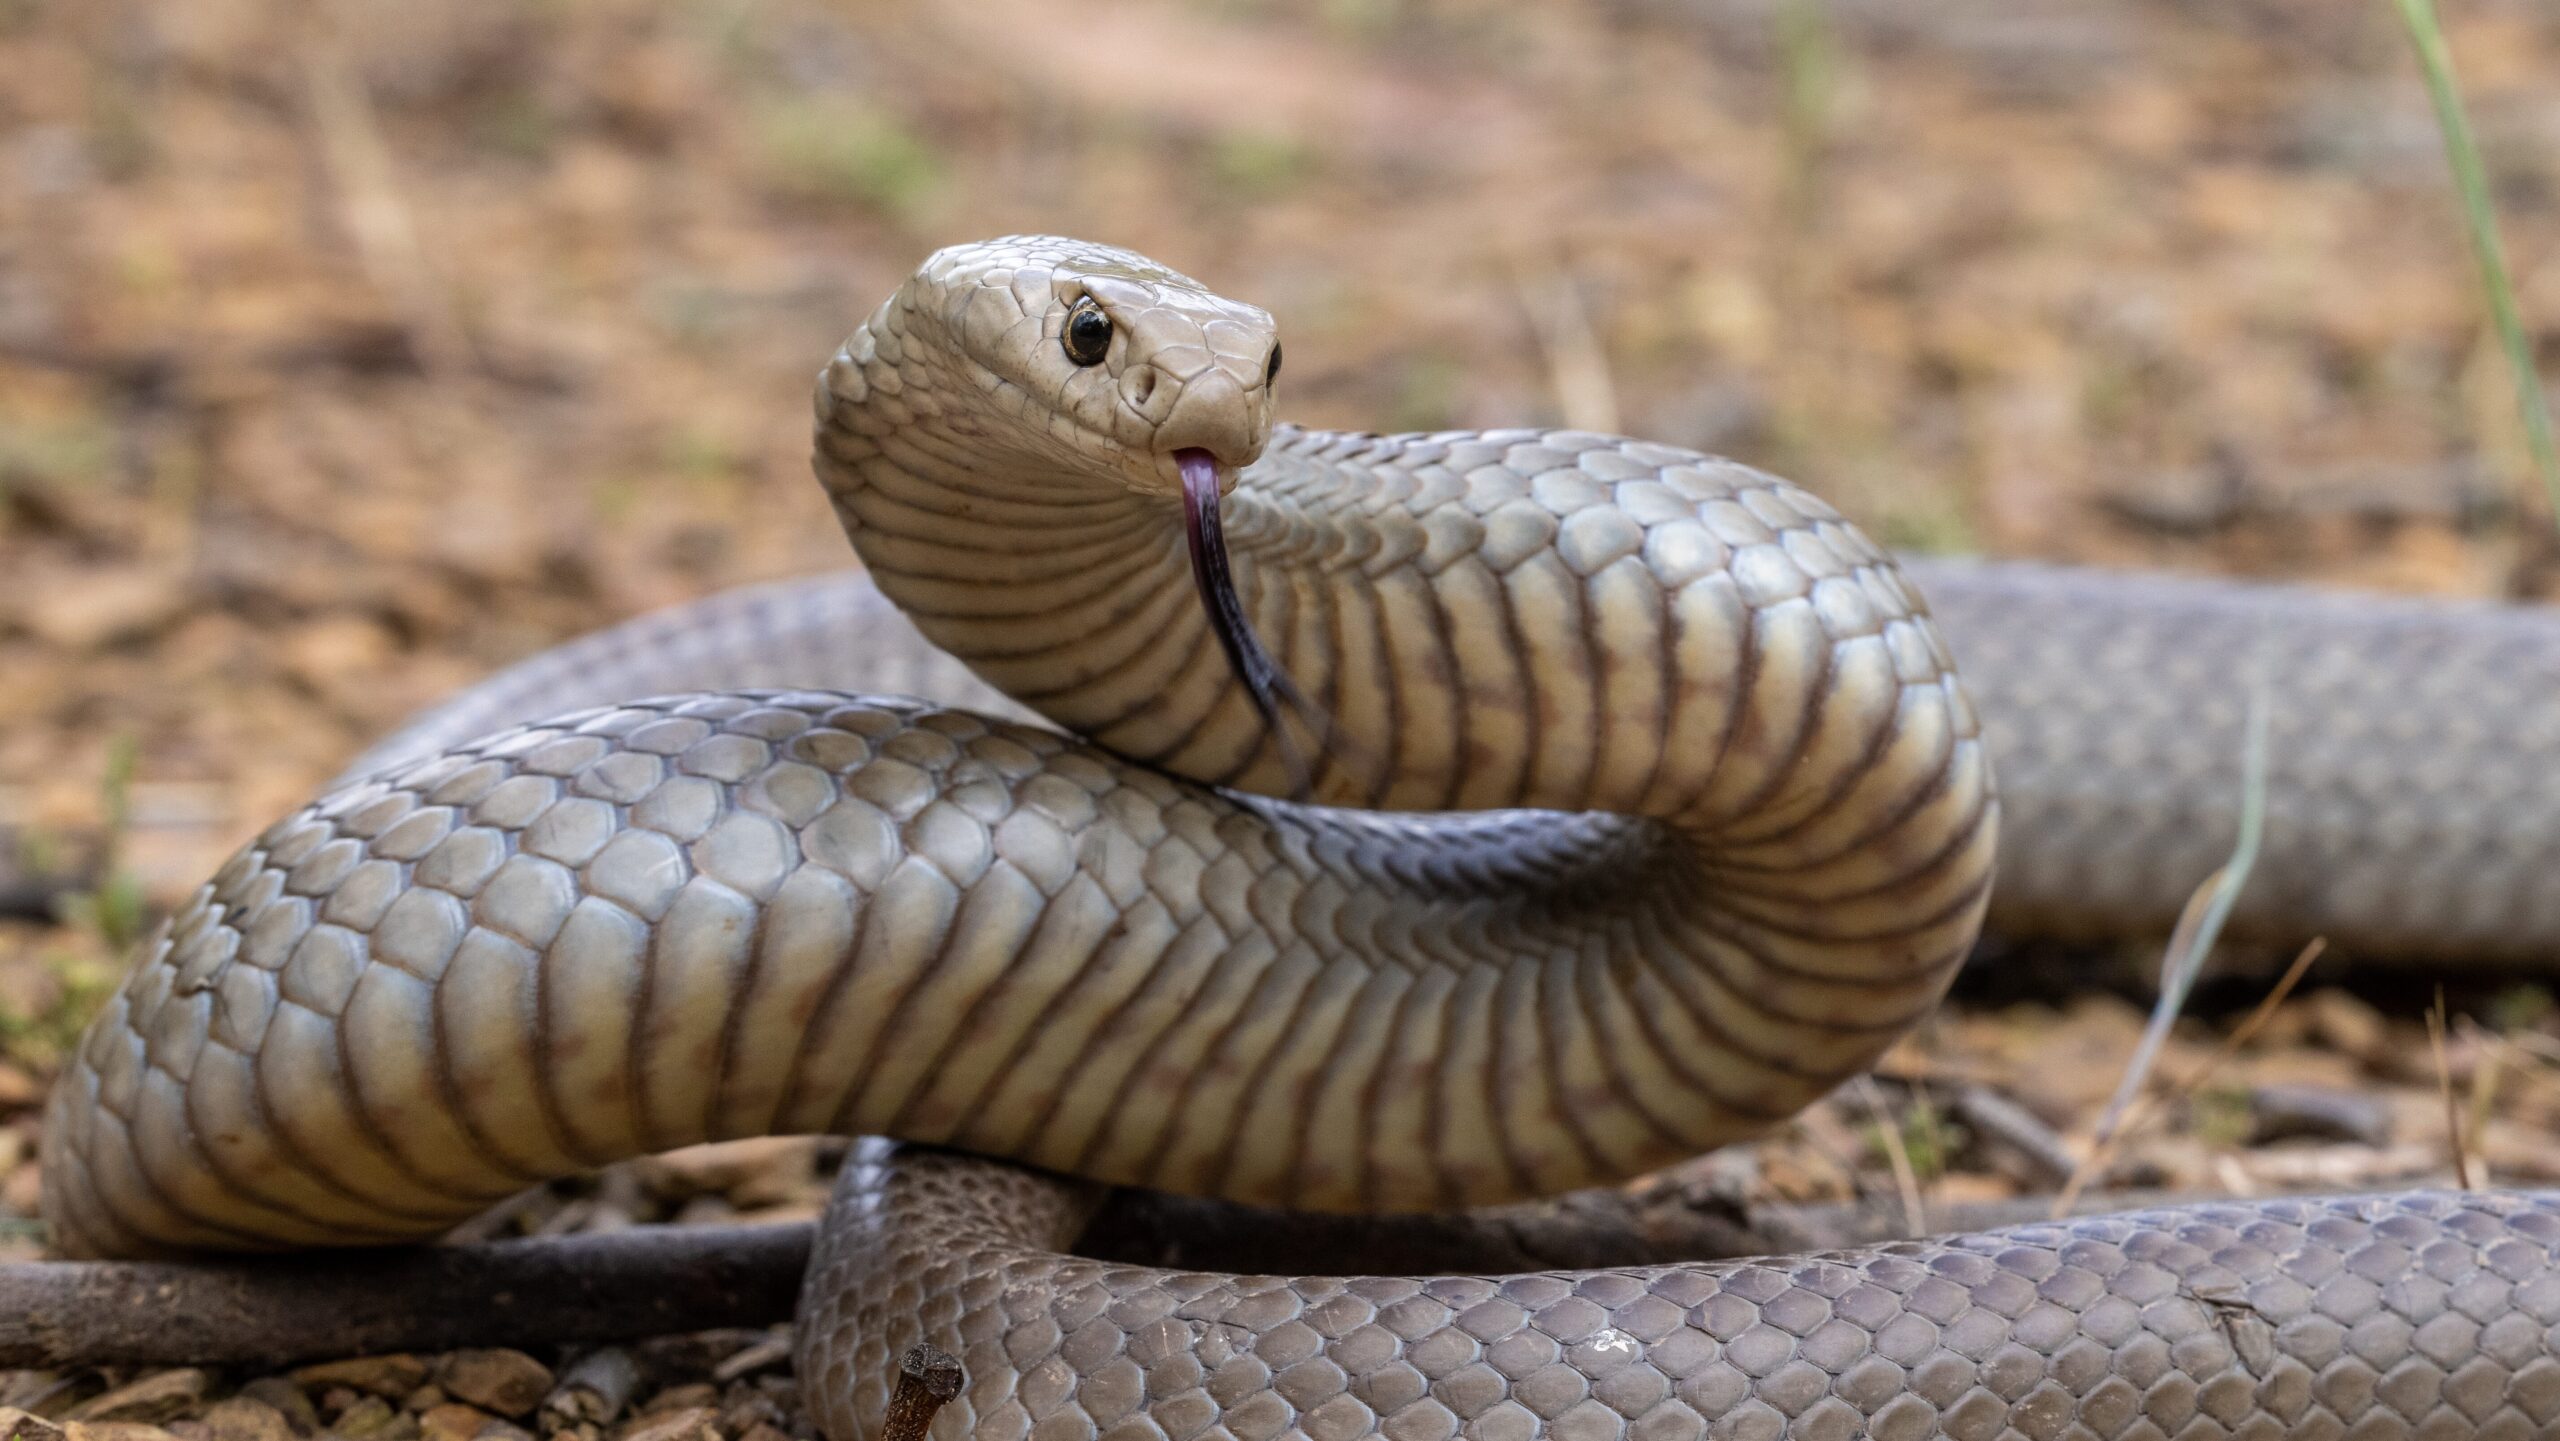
x: 1650, y: 809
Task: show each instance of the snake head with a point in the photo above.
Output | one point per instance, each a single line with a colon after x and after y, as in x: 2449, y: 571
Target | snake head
x: 1055, y: 370
x: 1079, y: 361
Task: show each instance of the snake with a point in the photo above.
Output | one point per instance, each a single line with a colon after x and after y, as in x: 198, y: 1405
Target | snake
x: 1180, y: 799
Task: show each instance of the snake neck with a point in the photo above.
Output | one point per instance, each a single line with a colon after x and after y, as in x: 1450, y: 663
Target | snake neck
x: 1077, y: 598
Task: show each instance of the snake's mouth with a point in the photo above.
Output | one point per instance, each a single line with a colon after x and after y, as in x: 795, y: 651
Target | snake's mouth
x: 1264, y: 681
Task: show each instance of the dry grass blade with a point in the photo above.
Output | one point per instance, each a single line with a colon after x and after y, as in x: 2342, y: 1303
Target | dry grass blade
x: 2444, y: 1084
x: 2199, y: 925
x: 2240, y: 1036
x: 1577, y: 366
x: 2485, y: 1077
x: 1906, y: 1177
x: 377, y: 216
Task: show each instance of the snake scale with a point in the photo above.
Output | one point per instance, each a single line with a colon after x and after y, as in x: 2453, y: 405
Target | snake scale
x: 1417, y: 821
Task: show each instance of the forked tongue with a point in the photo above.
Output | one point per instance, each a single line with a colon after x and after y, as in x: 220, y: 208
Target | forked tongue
x: 1274, y: 696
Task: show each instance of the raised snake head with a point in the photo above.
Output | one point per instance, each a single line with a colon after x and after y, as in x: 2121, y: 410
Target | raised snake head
x: 1035, y: 365
x: 1061, y: 359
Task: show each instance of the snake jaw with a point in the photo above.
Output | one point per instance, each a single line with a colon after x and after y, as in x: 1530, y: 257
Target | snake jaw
x: 1268, y: 686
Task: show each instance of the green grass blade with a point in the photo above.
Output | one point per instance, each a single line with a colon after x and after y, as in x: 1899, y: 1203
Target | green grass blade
x: 2471, y: 179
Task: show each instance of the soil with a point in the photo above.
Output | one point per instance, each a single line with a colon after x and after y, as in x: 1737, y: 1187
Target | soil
x: 349, y: 353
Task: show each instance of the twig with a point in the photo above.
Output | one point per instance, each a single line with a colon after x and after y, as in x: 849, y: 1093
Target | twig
x: 605, y: 1286
x: 2444, y: 1084
x: 2240, y: 1036
x: 1995, y: 1118
x: 927, y: 1377
x: 1906, y: 1179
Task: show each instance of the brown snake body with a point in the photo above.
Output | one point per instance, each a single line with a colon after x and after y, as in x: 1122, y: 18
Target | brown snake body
x: 1651, y: 810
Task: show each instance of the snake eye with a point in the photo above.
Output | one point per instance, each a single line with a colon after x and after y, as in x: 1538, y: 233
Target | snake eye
x: 1088, y: 333
x: 1271, y: 370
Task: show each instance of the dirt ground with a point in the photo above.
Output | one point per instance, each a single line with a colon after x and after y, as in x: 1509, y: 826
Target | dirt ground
x: 348, y: 353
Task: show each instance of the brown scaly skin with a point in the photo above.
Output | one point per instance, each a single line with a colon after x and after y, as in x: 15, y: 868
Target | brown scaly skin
x: 714, y: 915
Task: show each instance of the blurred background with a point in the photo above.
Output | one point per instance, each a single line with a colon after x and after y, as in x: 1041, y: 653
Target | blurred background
x: 350, y: 351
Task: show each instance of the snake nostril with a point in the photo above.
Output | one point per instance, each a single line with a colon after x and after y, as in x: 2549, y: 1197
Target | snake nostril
x: 1142, y: 386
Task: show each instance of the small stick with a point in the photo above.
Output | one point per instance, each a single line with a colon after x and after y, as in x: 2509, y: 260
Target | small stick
x: 927, y: 1377
x: 2003, y: 1121
x: 606, y: 1286
x: 2444, y: 1083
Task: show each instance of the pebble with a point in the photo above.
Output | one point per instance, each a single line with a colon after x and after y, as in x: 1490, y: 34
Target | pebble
x: 507, y: 1382
x: 692, y: 1394
x: 21, y: 1193
x: 246, y: 1418
x: 393, y: 1376
x: 762, y: 1356
x: 706, y: 1211
x: 758, y: 1171
x: 107, y: 605
x: 688, y: 1423
x: 287, y: 1399
x: 2346, y: 1024
x: 156, y: 1397
x: 113, y: 1431
x: 695, y: 1353
x: 454, y: 1421
x: 372, y: 1419
x: 594, y: 1388
x: 2323, y: 1113
x: 745, y: 1408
